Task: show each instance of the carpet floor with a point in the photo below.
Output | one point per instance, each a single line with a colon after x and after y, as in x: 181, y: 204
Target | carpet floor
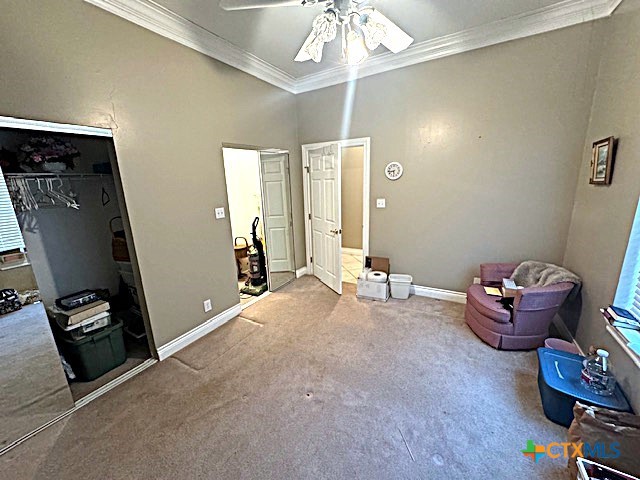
x: 307, y: 384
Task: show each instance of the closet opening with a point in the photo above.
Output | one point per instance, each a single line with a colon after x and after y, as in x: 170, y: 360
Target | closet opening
x: 259, y: 198
x: 79, y: 321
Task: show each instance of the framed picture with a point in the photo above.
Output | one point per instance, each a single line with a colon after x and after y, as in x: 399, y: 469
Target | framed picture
x: 602, y: 161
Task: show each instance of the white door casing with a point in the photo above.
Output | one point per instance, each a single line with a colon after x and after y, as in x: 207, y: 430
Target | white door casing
x: 364, y: 142
x: 325, y: 201
x: 276, y: 211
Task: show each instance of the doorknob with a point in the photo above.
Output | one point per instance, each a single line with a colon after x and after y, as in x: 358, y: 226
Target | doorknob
x: 334, y: 231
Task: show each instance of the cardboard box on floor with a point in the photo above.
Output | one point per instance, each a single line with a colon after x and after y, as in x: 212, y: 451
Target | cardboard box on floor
x: 380, y: 264
x: 374, y: 290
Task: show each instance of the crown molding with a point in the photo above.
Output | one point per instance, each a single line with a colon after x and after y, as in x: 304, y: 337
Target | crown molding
x: 546, y: 19
x: 162, y: 21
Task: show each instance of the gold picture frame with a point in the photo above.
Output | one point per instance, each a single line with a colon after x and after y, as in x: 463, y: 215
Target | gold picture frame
x: 602, y: 161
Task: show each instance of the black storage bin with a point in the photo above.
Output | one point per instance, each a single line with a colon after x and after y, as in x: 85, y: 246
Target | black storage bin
x: 560, y: 387
x: 94, y: 355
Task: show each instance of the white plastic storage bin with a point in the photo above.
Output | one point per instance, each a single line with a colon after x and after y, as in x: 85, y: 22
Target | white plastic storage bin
x: 400, y: 285
x: 126, y: 272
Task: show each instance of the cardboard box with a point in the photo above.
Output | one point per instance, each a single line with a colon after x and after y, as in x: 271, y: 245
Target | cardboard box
x: 380, y: 264
x: 374, y: 290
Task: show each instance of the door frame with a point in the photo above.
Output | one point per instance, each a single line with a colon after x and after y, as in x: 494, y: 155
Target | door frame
x: 364, y: 142
x: 272, y: 151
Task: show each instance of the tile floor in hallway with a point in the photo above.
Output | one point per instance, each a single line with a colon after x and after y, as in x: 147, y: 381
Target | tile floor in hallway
x: 351, y: 266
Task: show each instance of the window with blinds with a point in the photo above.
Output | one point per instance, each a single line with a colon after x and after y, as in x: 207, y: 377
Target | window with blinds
x: 628, y: 291
x: 10, y: 234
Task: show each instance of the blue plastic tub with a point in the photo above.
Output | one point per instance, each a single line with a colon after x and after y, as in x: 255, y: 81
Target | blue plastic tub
x: 560, y: 387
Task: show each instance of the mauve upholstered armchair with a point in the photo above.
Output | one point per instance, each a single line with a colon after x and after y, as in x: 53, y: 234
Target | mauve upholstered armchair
x: 527, y: 326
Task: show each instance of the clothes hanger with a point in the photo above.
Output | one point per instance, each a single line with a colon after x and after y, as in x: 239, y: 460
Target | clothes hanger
x: 31, y: 202
x: 70, y: 198
x: 57, y: 195
x: 105, y: 197
x: 42, y: 196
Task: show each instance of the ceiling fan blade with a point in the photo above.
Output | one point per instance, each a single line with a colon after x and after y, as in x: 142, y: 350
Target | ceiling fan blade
x: 325, y: 29
x: 303, y: 54
x: 395, y: 39
x: 248, y: 4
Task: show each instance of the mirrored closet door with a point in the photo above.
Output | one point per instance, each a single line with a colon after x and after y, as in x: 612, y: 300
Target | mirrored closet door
x: 33, y: 386
x: 278, y: 222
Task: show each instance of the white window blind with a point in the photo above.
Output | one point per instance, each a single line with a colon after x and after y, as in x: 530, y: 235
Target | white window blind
x: 10, y: 234
x: 628, y: 291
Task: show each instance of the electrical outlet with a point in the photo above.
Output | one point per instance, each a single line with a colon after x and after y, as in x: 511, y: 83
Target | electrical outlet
x: 219, y: 213
x: 476, y: 280
x: 381, y: 203
x: 207, y: 305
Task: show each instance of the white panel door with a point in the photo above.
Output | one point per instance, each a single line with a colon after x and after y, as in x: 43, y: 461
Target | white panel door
x: 277, y: 211
x: 326, y: 233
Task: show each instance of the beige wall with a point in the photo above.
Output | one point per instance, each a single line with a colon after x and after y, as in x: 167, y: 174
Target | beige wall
x: 352, y: 176
x: 491, y: 142
x: 242, y: 177
x: 171, y: 109
x: 602, y: 216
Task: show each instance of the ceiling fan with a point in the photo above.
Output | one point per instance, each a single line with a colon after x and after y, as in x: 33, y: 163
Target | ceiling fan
x: 362, y: 27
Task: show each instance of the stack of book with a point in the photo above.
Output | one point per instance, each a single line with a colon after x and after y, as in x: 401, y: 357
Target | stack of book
x: 82, y: 321
x: 621, y: 318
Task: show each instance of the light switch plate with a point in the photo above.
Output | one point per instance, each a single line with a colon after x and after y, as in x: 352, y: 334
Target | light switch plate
x: 381, y: 203
x: 207, y: 305
x: 219, y: 213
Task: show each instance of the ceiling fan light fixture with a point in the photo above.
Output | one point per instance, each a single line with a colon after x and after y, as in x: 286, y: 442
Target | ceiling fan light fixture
x: 364, y: 28
x: 356, y: 50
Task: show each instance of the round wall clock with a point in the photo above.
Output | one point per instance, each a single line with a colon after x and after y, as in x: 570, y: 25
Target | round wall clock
x: 393, y: 170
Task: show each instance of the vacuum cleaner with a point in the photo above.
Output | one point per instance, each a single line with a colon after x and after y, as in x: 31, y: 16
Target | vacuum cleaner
x: 257, y: 283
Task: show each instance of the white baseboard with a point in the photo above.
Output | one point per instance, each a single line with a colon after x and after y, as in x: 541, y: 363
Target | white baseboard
x: 352, y: 251
x: 174, y: 346
x: 438, y: 293
x: 255, y: 299
x: 301, y: 272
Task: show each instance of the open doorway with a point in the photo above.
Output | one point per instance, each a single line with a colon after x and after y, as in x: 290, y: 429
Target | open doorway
x: 259, y: 195
x: 352, y: 187
x: 336, y: 202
